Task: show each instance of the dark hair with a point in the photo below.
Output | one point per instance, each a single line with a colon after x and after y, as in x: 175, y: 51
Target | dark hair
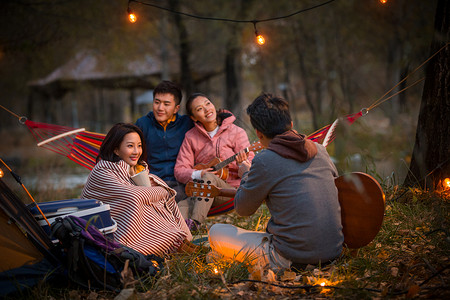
x: 190, y: 100
x: 115, y: 137
x: 270, y: 115
x: 169, y: 87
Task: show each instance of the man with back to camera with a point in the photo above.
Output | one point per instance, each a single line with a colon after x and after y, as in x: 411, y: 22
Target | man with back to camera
x: 164, y: 131
x: 295, y: 177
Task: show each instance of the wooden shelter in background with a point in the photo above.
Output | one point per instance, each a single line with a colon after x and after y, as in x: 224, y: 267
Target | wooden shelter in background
x: 94, y: 75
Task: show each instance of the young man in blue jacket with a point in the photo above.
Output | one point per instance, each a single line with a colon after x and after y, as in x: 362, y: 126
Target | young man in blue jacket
x: 164, y: 131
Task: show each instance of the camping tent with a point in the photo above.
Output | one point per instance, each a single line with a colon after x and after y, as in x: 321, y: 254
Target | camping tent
x: 26, y: 251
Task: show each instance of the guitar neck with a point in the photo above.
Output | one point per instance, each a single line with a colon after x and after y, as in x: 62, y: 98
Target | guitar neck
x: 227, y: 161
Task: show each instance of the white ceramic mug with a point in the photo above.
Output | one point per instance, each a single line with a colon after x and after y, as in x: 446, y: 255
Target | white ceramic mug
x: 141, y: 178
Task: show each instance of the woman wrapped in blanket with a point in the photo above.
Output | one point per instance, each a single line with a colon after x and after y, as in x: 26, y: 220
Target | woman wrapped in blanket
x: 148, y: 218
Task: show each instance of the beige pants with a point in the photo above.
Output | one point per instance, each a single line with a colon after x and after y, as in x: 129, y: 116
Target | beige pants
x: 245, y: 245
x: 192, y: 208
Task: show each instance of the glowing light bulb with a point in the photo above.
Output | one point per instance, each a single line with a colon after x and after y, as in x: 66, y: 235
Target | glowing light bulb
x: 383, y: 1
x: 446, y: 183
x: 260, y: 39
x: 1, y: 173
x: 216, y: 271
x: 132, y: 17
x: 322, y: 284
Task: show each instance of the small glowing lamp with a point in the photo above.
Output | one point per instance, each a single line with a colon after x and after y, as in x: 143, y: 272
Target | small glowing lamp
x: 1, y: 173
x: 383, y: 1
x: 322, y: 284
x: 131, y: 16
x: 260, y: 39
x: 216, y: 271
x: 446, y: 183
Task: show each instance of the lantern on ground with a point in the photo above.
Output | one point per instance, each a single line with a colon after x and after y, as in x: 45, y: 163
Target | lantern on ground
x: 446, y: 184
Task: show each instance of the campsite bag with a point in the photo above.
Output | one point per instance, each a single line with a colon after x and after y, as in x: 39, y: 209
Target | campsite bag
x: 95, y: 261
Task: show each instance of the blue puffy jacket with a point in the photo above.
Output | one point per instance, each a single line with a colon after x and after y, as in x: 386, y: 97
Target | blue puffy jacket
x: 163, y: 145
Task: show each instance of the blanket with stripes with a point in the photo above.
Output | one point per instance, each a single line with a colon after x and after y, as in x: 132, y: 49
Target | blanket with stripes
x: 148, y: 218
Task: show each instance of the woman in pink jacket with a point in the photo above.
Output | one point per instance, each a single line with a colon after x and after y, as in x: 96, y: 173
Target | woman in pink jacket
x: 213, y: 136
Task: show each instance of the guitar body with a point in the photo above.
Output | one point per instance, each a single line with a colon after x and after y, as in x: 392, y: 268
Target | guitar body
x: 221, y: 173
x: 362, y: 208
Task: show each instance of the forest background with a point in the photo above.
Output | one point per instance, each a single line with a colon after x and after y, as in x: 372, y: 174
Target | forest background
x: 328, y: 62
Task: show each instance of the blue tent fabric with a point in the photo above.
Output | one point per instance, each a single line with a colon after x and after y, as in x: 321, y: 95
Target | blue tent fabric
x: 27, y: 276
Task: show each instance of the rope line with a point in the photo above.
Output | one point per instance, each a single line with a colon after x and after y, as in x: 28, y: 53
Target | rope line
x: 17, y: 116
x: 384, y: 100
x: 381, y: 100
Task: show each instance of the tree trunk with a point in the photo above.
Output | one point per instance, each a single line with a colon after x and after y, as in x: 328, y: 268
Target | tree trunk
x: 304, y: 75
x: 430, y: 160
x: 184, y: 51
x: 232, y: 74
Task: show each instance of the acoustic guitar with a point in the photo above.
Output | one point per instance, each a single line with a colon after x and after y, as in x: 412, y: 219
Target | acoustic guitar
x: 360, y: 196
x: 217, y: 165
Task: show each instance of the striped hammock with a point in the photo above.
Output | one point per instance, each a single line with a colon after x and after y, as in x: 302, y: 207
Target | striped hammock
x: 83, y: 146
x: 77, y: 144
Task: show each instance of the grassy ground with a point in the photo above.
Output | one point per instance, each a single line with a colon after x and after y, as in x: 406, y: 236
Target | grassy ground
x: 408, y: 258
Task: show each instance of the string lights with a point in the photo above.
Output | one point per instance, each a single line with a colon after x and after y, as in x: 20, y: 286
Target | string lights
x: 260, y: 39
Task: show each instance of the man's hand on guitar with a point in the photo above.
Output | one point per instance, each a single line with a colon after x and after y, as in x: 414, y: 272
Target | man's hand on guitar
x: 243, y: 163
x: 241, y: 156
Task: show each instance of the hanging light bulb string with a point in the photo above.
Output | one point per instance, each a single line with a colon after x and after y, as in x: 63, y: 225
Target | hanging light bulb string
x: 259, y: 38
x: 231, y: 20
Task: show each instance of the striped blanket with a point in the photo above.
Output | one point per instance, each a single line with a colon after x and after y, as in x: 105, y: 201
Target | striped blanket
x: 148, y: 218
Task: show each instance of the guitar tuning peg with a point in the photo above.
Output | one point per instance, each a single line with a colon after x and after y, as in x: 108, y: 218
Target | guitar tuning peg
x: 195, y: 180
x: 208, y: 182
x: 199, y: 199
x: 201, y: 181
x: 206, y: 199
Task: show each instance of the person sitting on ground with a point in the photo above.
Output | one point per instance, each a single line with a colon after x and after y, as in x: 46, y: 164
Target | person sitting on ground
x: 164, y: 131
x: 295, y: 177
x: 213, y: 136
x: 148, y: 218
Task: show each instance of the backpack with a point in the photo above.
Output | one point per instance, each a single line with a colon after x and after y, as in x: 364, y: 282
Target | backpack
x: 95, y: 261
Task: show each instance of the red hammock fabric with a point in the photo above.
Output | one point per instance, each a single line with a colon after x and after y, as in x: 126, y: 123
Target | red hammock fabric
x: 77, y: 144
x: 319, y: 135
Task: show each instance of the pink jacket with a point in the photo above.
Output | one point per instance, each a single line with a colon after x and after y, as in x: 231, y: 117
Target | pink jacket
x: 199, y: 148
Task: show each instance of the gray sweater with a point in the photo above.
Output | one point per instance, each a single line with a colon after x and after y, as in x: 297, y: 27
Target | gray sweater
x: 303, y: 201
